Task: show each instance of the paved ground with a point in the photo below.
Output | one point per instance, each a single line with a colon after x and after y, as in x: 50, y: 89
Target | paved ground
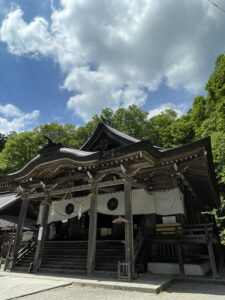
x: 11, y: 287
x: 13, y: 284
x: 177, y: 291
x: 58, y: 287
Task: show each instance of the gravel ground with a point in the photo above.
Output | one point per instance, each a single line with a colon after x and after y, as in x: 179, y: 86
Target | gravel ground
x: 177, y: 291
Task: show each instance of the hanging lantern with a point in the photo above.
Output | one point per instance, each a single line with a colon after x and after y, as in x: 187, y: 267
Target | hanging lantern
x: 120, y: 220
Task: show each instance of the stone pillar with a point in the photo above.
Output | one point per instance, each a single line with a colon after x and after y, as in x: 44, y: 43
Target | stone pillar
x: 19, y: 229
x: 129, y: 237
x: 42, y: 232
x: 92, y: 231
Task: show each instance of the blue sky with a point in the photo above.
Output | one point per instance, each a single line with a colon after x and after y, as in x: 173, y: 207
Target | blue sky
x: 155, y: 55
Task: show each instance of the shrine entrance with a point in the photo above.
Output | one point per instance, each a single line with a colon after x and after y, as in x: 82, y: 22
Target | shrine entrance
x: 76, y: 229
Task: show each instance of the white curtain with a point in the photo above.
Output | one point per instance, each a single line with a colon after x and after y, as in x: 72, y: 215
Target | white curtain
x: 163, y: 203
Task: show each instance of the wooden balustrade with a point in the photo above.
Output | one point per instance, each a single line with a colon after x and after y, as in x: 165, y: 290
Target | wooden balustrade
x: 174, y: 242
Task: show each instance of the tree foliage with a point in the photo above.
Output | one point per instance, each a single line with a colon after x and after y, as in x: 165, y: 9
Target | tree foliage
x: 205, y: 118
x: 18, y: 150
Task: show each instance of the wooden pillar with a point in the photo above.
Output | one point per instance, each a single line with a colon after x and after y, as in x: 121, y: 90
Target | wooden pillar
x: 42, y: 232
x: 92, y: 231
x: 19, y: 229
x: 129, y: 238
x: 180, y: 257
x: 212, y: 259
x: 220, y: 255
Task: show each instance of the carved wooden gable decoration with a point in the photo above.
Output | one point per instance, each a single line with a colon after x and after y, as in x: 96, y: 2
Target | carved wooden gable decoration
x: 106, y: 138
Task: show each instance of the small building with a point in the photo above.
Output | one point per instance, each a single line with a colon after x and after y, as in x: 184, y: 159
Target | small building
x: 10, y: 204
x: 118, y: 204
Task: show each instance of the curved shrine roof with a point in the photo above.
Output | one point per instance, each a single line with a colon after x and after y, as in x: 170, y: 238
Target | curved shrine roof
x: 107, y: 148
x: 116, y: 136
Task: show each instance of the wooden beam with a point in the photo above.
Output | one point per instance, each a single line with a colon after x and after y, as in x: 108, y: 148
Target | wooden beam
x: 77, y: 188
x: 132, y: 167
x: 129, y: 237
x: 19, y: 229
x: 68, y: 178
x: 42, y: 232
x: 92, y: 231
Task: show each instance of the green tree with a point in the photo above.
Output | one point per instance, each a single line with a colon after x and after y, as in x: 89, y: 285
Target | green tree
x: 215, y: 101
x: 218, y: 148
x: 133, y: 121
x: 19, y: 149
x: 64, y: 134
x: 182, y: 131
x: 3, y: 139
x: 162, y: 125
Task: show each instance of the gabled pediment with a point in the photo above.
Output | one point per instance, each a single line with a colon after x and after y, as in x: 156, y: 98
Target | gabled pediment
x: 105, y: 137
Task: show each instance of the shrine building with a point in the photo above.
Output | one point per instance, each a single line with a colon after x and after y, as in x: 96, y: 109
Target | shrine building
x: 117, y: 206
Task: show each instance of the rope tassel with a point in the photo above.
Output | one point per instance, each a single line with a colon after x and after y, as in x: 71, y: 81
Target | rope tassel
x: 79, y: 212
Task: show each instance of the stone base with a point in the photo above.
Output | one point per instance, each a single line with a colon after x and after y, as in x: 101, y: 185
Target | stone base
x: 173, y: 268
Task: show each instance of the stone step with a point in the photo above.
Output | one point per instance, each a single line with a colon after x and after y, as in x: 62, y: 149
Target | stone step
x: 63, y: 267
x: 62, y: 256
x: 23, y: 265
x: 71, y: 257
x: 108, y: 268
x: 22, y: 268
x: 76, y: 259
x: 64, y: 271
x: 76, y: 249
x: 65, y: 248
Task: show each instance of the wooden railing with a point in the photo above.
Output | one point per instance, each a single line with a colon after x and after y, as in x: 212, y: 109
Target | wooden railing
x: 184, y: 230
x: 29, y: 245
x: 198, y: 229
x: 183, y: 243
x: 165, y: 250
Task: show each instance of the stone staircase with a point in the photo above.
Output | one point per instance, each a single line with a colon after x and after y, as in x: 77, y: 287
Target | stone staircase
x: 108, y: 253
x: 64, y: 257
x: 71, y: 257
x: 24, y: 264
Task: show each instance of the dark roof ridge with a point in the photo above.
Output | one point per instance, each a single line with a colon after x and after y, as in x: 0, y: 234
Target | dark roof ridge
x: 117, y: 135
x: 206, y: 141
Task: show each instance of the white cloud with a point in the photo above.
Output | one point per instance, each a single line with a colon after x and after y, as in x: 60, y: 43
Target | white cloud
x: 10, y: 110
x: 23, y: 38
x: 13, y: 119
x: 179, y: 109
x: 113, y: 53
x: 98, y: 89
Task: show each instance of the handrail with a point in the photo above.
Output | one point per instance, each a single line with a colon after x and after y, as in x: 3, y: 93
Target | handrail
x: 195, y: 229
x: 27, y: 247
x: 23, y: 251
